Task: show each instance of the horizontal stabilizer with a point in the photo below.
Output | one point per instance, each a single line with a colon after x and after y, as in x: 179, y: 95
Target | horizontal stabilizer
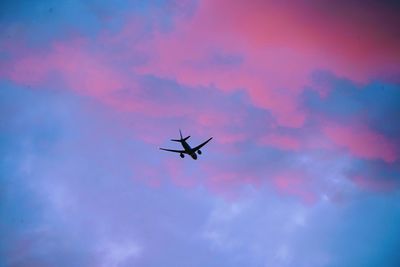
x: 176, y: 140
x: 186, y: 138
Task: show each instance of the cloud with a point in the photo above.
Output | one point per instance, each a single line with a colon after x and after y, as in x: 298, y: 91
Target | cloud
x: 301, y: 99
x: 362, y: 142
x: 281, y: 141
x: 295, y: 184
x: 116, y: 254
x: 278, y: 235
x: 271, y: 48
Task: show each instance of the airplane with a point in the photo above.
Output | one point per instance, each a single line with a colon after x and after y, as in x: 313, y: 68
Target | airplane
x: 187, y: 149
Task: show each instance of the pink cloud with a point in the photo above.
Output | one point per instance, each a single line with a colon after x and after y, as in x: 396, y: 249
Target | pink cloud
x: 362, y: 142
x: 294, y: 184
x: 178, y: 56
x: 228, y: 183
x: 77, y: 66
x: 80, y: 70
x: 281, y: 45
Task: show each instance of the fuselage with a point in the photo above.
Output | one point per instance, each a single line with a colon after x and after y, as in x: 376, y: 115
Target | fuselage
x: 188, y: 150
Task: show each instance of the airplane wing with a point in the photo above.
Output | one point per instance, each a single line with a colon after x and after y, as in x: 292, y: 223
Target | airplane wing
x: 172, y: 150
x: 201, y: 145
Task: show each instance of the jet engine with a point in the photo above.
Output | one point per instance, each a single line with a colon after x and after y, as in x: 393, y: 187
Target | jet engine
x: 199, y: 152
x: 182, y: 156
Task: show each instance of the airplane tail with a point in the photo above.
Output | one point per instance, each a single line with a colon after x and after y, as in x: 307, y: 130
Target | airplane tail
x: 182, y: 139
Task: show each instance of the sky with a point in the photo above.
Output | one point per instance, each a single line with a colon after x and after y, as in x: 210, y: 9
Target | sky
x: 302, y: 99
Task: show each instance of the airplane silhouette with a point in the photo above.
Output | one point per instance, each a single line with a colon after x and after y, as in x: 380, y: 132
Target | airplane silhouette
x: 187, y: 149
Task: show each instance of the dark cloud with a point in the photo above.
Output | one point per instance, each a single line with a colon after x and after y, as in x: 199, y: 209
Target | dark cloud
x: 376, y: 104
